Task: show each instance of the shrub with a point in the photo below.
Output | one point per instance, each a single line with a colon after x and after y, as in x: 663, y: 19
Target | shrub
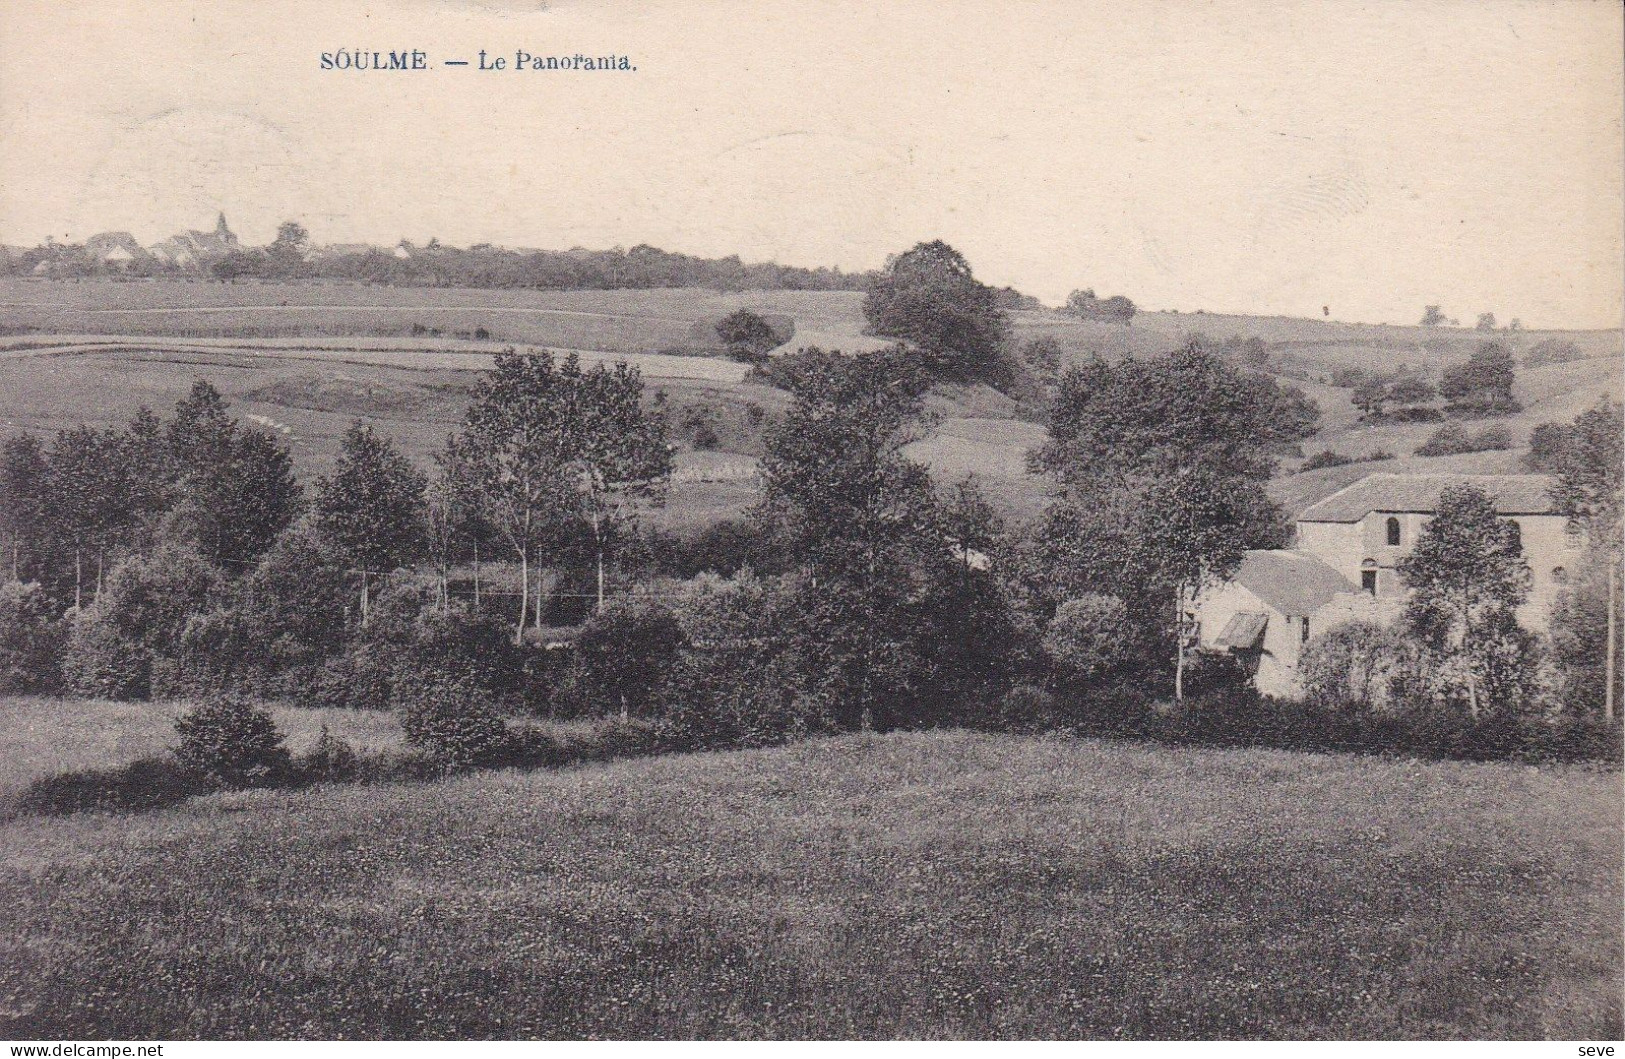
x: 1449, y: 440
x: 723, y: 547
x: 231, y: 742
x: 1326, y: 458
x: 1552, y: 351
x: 707, y: 702
x: 624, y: 653
x: 1453, y: 439
x: 101, y: 663
x: 137, y: 622
x: 408, y: 637
x: 1026, y: 707
x: 144, y: 784
x: 446, y: 717
x: 330, y: 758
x: 1086, y: 639
x: 32, y: 639
x: 733, y: 682
x: 1355, y: 666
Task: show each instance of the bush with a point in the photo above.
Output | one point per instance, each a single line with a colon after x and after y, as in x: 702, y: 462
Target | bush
x: 32, y: 640
x: 446, y: 717
x: 135, y: 629
x: 707, y: 702
x: 1358, y: 665
x: 1452, y: 440
x: 1552, y: 351
x: 100, y: 662
x: 1026, y: 708
x: 270, y: 632
x: 1326, y: 458
x: 733, y: 682
x: 724, y: 547
x: 231, y: 742
x: 143, y: 785
x: 1241, y: 717
x: 408, y: 638
x: 623, y: 654
x: 1086, y: 639
x: 331, y: 758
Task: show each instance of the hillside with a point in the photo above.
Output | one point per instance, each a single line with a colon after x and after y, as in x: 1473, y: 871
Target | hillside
x: 306, y: 359
x: 928, y: 885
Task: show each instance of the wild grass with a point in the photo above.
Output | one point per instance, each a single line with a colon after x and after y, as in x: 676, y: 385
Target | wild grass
x: 932, y: 885
x: 42, y: 737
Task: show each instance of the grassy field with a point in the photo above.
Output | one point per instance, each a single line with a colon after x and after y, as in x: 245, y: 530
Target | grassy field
x: 929, y: 885
x: 42, y: 737
x: 306, y: 359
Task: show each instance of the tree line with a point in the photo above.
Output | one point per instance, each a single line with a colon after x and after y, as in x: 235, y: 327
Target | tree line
x: 180, y: 555
x: 291, y: 256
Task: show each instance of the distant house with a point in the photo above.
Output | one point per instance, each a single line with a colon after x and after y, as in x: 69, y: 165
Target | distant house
x: 1345, y: 567
x: 195, y: 250
x: 115, y: 250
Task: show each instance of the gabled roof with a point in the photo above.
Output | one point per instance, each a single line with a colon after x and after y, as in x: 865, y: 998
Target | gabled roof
x: 103, y: 243
x: 1513, y: 494
x: 1294, y: 583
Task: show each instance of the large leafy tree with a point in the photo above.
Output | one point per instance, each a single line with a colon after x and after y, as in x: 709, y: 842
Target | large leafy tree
x: 1162, y: 463
x: 371, y: 508
x: 24, y: 502
x: 1188, y: 408
x: 878, y: 565
x: 547, y: 447
x: 234, y: 488
x: 1589, y: 462
x: 199, y: 432
x: 749, y: 337
x: 1483, y: 384
x: 90, y: 496
x: 147, y: 459
x: 1467, y: 577
x: 928, y: 297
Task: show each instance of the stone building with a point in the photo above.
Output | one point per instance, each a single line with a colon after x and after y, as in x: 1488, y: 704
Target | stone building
x: 1345, y: 567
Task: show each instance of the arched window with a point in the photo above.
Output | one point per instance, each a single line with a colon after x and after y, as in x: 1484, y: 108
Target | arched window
x: 1393, y: 533
x: 1368, y: 576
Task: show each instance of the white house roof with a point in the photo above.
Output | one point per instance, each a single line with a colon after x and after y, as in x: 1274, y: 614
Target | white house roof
x: 1293, y: 583
x: 1513, y: 494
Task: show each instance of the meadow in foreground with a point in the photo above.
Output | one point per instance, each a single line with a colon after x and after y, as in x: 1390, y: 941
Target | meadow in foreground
x: 926, y: 885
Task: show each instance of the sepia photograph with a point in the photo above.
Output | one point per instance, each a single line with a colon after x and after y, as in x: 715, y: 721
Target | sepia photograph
x: 974, y: 520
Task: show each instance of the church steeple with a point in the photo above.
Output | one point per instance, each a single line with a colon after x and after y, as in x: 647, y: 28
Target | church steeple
x: 220, y: 228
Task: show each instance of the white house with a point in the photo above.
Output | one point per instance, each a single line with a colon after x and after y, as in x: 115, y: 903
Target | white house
x: 1344, y: 567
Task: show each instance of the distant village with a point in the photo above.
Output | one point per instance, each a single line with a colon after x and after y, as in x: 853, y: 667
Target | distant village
x: 221, y: 255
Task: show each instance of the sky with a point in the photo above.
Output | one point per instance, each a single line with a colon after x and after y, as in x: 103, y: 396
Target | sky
x: 1263, y: 157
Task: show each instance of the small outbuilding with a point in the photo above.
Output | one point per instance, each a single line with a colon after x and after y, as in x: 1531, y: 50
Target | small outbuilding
x: 1268, y: 610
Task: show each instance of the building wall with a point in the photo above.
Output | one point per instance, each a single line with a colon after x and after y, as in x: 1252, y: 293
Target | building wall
x: 1348, y: 547
x: 1275, y: 666
x: 1337, y: 544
